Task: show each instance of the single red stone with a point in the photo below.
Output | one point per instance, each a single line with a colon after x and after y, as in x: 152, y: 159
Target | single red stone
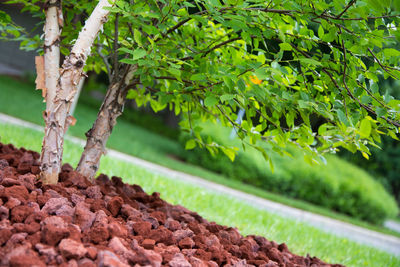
x: 20, y: 213
x: 115, y: 205
x: 148, y: 243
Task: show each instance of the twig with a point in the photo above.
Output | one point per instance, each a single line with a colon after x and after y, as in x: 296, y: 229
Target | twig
x: 380, y: 64
x: 347, y: 7
x: 221, y: 44
x: 116, y: 26
x: 344, y: 72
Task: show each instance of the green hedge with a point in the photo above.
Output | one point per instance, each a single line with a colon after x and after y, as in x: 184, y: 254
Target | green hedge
x: 338, y: 185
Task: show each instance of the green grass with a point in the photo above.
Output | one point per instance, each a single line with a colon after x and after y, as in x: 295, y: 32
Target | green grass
x: 300, y: 237
x: 139, y: 142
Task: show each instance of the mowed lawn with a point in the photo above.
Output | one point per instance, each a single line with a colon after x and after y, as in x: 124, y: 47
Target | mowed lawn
x: 300, y: 237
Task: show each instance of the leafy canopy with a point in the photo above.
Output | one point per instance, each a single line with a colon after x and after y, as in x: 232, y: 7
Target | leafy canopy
x: 307, y: 73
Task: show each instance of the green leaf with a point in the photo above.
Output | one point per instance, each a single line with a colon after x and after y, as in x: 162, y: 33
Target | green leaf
x: 320, y: 32
x: 377, y: 5
x: 285, y: 46
x: 198, y: 77
x: 175, y: 72
x: 365, y: 128
x: 210, y: 101
x: 261, y: 74
x: 138, y: 53
x: 342, y: 117
x: 137, y: 35
x: 190, y: 144
x: 391, y: 52
x: 227, y: 97
x: 230, y: 153
x: 128, y: 61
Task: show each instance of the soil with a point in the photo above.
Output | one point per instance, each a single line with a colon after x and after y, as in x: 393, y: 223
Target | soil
x: 109, y: 223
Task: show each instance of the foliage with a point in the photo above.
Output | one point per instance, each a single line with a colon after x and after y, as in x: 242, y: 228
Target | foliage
x: 383, y: 165
x: 336, y: 185
x: 283, y: 62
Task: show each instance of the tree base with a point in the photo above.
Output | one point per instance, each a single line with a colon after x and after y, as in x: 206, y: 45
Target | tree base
x: 49, y: 178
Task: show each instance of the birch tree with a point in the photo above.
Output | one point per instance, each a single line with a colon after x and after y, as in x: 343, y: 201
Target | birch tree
x: 285, y: 63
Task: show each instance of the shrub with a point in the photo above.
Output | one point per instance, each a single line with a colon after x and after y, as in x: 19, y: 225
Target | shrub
x: 383, y: 164
x: 338, y: 185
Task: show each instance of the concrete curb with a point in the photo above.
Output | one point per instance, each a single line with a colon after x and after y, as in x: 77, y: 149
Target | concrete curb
x: 361, y: 235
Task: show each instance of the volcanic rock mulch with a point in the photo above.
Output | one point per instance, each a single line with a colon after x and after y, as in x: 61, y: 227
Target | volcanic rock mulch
x: 109, y: 223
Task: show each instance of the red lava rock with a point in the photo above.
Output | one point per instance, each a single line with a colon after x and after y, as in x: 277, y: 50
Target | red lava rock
x: 16, y: 240
x: 162, y: 235
x: 54, y: 229
x: 77, y: 223
x: 115, y: 205
x: 22, y: 256
x: 148, y: 243
x: 108, y: 259
x: 72, y: 249
x: 5, y: 235
x: 129, y: 212
x: 12, y: 202
x: 91, y: 253
x: 78, y: 180
x: 3, y: 164
x: 179, y: 261
x: 20, y: 213
x: 187, y: 242
x: 142, y: 228
x: 4, y: 213
x: 54, y: 204
x: 160, y: 216
x: 17, y: 191
x: 7, y: 182
x: 30, y: 228
x: 86, y: 263
x: 98, y: 234
x: 74, y: 232
x: 48, y: 253
x: 172, y: 225
x: 116, y: 229
x: 83, y: 216
x: 93, y: 192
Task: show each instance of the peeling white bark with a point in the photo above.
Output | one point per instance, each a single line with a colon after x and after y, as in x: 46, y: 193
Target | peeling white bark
x: 51, y: 67
x: 71, y: 72
x: 51, y: 50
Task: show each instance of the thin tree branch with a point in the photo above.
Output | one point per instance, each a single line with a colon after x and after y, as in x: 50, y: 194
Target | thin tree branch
x: 116, y: 28
x: 347, y: 7
x: 380, y: 64
x: 212, y: 48
x: 344, y: 72
x: 220, y: 45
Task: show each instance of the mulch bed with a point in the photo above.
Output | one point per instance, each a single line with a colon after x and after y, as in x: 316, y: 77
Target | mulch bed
x: 109, y: 223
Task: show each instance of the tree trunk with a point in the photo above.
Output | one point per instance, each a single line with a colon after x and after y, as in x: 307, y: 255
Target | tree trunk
x: 52, y: 49
x: 51, y: 66
x: 98, y: 135
x: 56, y: 118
